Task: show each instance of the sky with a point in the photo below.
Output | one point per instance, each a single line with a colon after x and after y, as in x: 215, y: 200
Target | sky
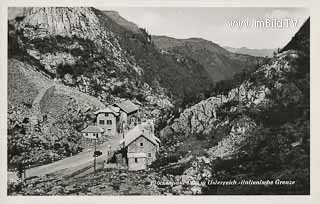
x: 215, y: 24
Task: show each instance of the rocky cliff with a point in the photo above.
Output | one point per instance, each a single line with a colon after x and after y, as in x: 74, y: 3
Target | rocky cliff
x: 253, y: 130
x: 72, y: 45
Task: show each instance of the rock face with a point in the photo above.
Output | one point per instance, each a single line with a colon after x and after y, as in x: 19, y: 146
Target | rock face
x: 82, y: 23
x: 102, y: 55
x: 66, y: 22
x: 72, y: 44
x: 200, y: 118
x: 215, y: 112
x: 256, y: 127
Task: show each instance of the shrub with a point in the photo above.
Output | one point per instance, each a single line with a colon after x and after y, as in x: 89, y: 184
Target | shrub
x: 163, y: 161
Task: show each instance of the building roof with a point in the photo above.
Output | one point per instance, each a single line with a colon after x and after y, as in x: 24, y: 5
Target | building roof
x: 127, y: 106
x: 157, y: 139
x: 109, y: 109
x: 137, y: 131
x: 137, y: 155
x: 92, y: 129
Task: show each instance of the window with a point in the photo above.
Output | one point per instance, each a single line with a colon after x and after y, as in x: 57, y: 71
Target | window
x: 109, y: 130
x: 149, y: 154
x: 136, y: 160
x: 109, y: 122
x: 86, y: 134
x: 106, y: 114
x: 101, y: 122
x: 141, y: 144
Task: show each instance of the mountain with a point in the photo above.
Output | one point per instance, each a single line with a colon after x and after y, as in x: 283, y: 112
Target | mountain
x: 301, y: 40
x: 65, y: 63
x: 258, y: 129
x: 57, y: 38
x: 252, y: 52
x: 128, y: 25
x: 219, y: 63
x: 77, y: 60
x: 184, y: 77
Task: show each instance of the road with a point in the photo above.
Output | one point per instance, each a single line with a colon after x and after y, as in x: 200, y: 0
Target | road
x: 71, y: 164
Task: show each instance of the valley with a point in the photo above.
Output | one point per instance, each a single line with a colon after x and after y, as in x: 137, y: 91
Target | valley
x: 218, y: 115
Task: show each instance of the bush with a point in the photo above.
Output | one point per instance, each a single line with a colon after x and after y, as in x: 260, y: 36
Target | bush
x: 163, y: 161
x: 177, y: 170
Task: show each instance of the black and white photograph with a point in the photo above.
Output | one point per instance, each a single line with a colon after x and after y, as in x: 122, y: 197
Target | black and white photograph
x: 158, y: 101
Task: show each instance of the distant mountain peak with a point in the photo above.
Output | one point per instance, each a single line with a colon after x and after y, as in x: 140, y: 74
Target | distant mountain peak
x: 251, y: 51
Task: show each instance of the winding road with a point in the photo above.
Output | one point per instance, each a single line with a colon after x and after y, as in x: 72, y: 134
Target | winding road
x: 72, y: 165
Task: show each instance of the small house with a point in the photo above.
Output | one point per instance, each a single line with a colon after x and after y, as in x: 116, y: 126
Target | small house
x: 141, y: 146
x: 92, y: 132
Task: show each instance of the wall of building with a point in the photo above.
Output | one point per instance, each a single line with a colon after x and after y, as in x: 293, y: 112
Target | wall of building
x: 132, y: 119
x: 123, y: 121
x: 90, y: 143
x: 91, y: 135
x: 141, y: 163
x: 109, y: 129
x: 148, y: 147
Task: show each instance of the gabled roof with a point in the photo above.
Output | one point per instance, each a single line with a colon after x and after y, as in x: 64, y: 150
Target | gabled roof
x: 109, y: 109
x: 127, y: 106
x: 136, y: 132
x: 92, y: 129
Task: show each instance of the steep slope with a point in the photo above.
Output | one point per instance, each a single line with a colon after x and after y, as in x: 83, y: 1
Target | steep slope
x: 44, y: 117
x: 69, y: 43
x: 259, y: 130
x: 128, y: 25
x: 184, y: 77
x: 64, y: 63
x: 219, y: 63
x: 88, y: 49
x: 301, y: 40
x: 252, y: 52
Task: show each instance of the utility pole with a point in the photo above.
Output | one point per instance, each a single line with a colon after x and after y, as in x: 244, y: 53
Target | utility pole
x: 24, y: 170
x: 94, y: 154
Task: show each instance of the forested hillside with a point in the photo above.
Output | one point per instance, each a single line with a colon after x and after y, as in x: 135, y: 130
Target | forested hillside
x: 219, y: 63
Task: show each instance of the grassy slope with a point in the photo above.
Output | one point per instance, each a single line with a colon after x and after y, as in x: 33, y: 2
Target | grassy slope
x: 65, y: 110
